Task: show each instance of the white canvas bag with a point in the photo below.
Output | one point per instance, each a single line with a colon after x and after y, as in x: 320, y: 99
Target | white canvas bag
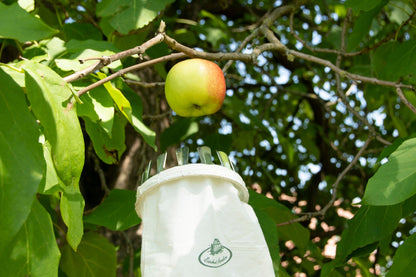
x: 196, y: 222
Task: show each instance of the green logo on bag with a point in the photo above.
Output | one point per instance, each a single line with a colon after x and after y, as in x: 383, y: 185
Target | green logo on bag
x: 216, y: 255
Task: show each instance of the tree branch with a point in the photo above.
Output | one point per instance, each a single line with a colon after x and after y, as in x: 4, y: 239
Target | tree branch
x: 404, y: 99
x: 107, y: 60
x: 135, y: 67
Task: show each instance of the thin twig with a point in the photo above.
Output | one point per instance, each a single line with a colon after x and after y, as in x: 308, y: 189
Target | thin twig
x: 109, y: 59
x: 404, y: 99
x: 156, y: 116
x: 192, y: 53
x: 135, y: 67
x: 343, y: 53
x: 344, y: 172
x: 130, y: 252
x: 240, y: 48
x: 346, y: 74
x: 99, y: 170
x: 334, y: 187
x: 144, y: 84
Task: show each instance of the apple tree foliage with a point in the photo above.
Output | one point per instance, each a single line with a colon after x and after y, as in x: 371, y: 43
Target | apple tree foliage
x: 319, y: 118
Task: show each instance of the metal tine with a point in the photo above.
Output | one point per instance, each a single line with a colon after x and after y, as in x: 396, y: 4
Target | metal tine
x: 205, y: 154
x: 232, y: 165
x: 161, y: 162
x: 225, y: 161
x: 146, y: 172
x: 182, y: 155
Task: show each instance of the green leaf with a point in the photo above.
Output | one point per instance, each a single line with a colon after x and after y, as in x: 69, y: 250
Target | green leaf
x: 119, y: 99
x: 135, y: 101
x: 81, y: 31
x: 28, y: 5
x: 409, y: 206
x: 394, y: 181
x: 34, y: 251
x: 72, y: 62
x: 268, y: 227
x: 76, y: 46
x: 116, y: 212
x: 329, y: 269
x: 390, y: 148
x: 359, y: 5
x: 48, y: 94
x: 98, y: 106
x: 52, y: 182
x: 393, y: 60
x: 95, y: 257
x: 72, y: 208
x: 109, y: 148
x: 280, y: 213
x: 16, y: 23
x: 234, y: 108
x: 399, y: 11
x: 130, y: 15
x: 361, y: 27
x: 21, y: 160
x: 177, y: 132
x: 405, y: 259
x: 370, y: 224
x: 219, y: 142
x: 47, y: 50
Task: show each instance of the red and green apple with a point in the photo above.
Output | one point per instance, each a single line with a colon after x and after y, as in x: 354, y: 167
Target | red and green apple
x: 195, y: 87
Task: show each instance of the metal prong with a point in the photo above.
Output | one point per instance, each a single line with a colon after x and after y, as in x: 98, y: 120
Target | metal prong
x: 146, y: 172
x: 224, y: 160
x: 205, y: 154
x: 161, y: 162
x: 182, y: 155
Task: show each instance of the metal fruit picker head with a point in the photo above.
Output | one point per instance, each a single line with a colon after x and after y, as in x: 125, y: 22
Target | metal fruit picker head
x: 196, y: 221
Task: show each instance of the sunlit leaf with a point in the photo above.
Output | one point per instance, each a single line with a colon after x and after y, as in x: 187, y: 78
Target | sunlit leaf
x: 48, y: 95
x: 98, y: 106
x: 72, y: 62
x: 394, y: 181
x: 130, y: 15
x: 52, y: 182
x: 72, y: 208
x: 24, y: 27
x: 21, y: 160
x: 109, y: 147
x: 135, y: 101
x: 119, y: 99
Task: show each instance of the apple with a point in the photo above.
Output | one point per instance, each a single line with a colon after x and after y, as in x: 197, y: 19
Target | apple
x: 195, y: 87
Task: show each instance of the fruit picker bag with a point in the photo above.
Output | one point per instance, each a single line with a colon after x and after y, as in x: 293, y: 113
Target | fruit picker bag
x: 196, y: 222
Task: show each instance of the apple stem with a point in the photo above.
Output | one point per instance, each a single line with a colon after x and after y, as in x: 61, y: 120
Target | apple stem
x: 198, y: 107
